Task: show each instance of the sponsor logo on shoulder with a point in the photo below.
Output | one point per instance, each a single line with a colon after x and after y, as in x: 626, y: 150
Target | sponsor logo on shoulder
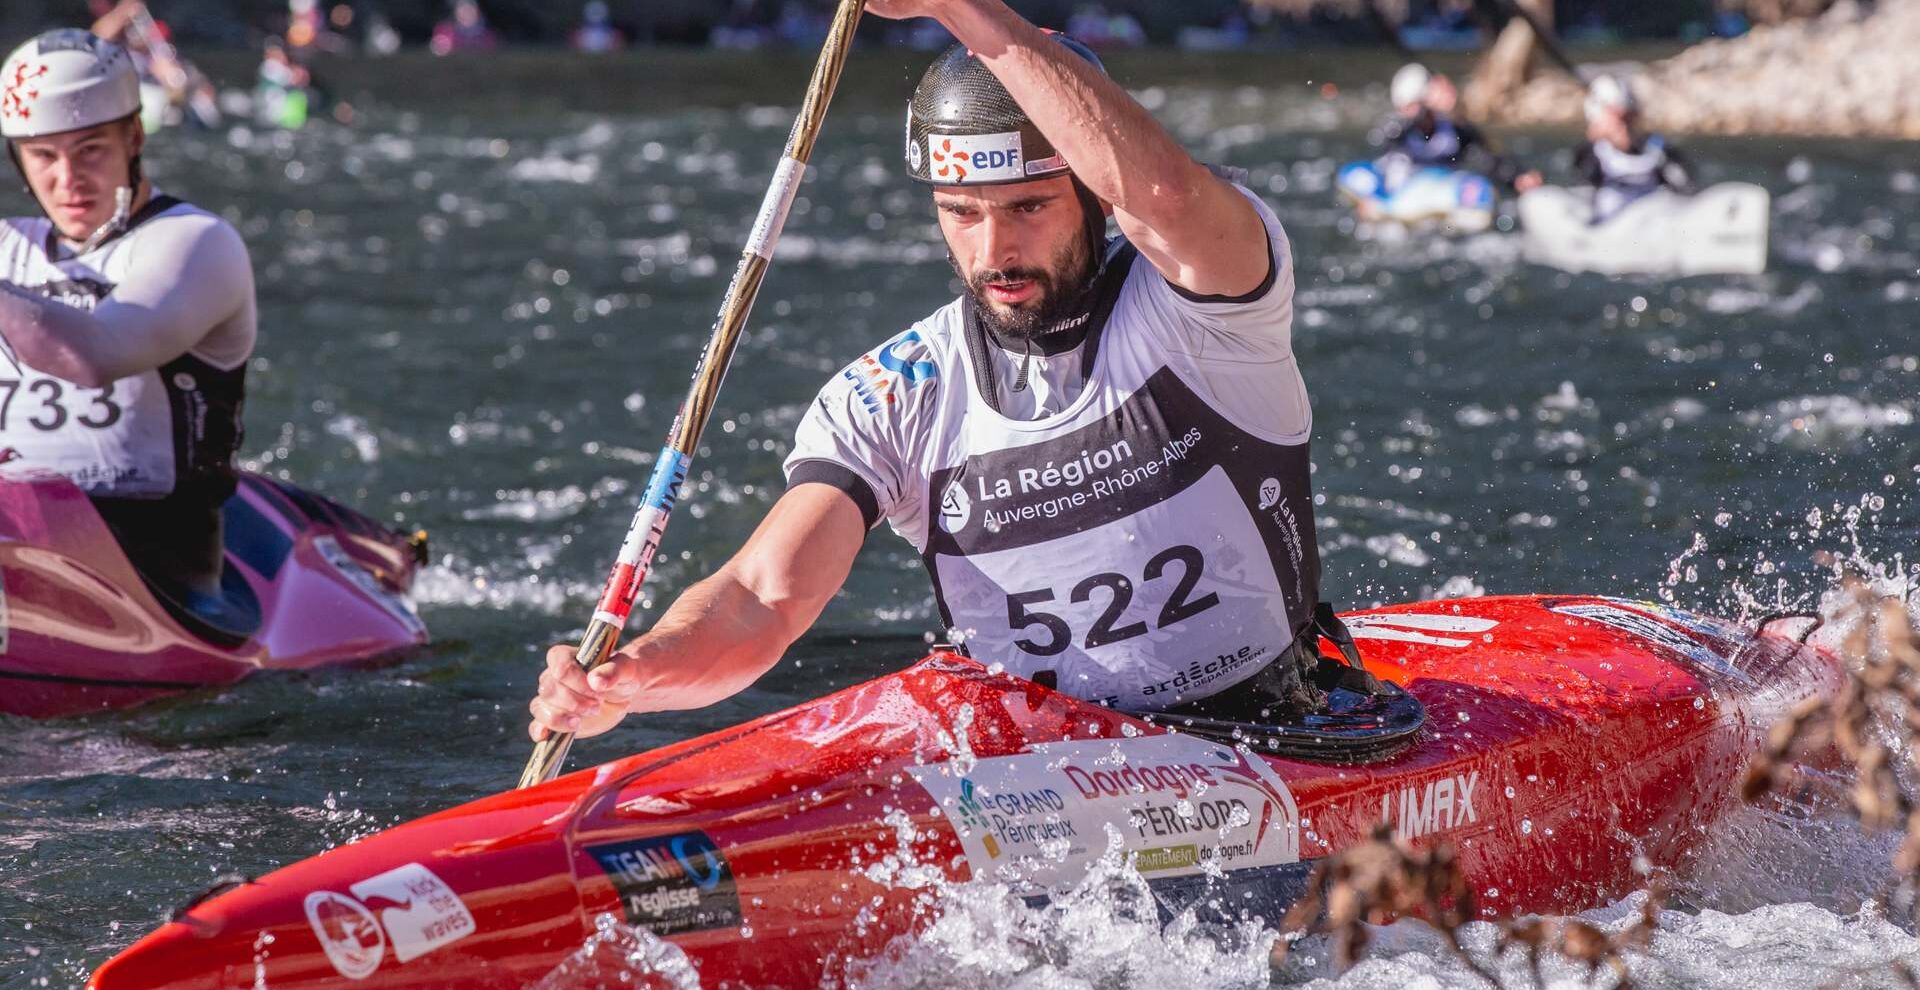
x: 407, y: 906
x: 671, y: 883
x: 1176, y: 805
x: 877, y: 376
x: 1456, y: 631
x: 1269, y: 493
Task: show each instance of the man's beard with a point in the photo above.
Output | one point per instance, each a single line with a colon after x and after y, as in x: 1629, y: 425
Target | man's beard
x: 1062, y: 290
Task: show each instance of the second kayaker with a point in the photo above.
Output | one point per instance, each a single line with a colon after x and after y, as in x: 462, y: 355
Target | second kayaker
x: 1423, y: 132
x: 1100, y: 451
x: 126, y: 318
x: 1620, y: 161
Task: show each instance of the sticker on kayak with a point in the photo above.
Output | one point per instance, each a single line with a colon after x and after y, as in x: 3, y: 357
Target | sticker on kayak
x: 1662, y: 628
x: 1442, y: 804
x: 671, y: 883
x: 348, y: 933
x: 1414, y: 627
x: 407, y: 906
x: 1177, y: 805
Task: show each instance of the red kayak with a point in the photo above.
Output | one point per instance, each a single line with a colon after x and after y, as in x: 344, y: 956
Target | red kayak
x: 1563, y: 737
x: 307, y: 582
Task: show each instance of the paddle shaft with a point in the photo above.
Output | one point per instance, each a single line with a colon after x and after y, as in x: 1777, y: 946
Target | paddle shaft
x: 1547, y: 39
x: 650, y: 521
x: 162, y: 49
x: 167, y: 61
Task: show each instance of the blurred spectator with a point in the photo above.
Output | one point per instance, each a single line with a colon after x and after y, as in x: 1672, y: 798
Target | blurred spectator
x: 129, y: 25
x: 168, y: 84
x: 466, y: 31
x: 379, y: 37
x: 304, y: 26
x: 309, y: 30
x: 1092, y: 24
x: 281, y: 94
x: 596, y: 32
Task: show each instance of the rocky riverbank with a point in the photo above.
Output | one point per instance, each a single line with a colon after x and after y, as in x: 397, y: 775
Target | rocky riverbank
x: 1852, y: 72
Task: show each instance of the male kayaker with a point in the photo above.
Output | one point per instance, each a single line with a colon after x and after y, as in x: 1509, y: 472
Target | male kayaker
x: 1620, y: 161
x: 1423, y: 133
x: 1099, y: 450
x: 126, y: 317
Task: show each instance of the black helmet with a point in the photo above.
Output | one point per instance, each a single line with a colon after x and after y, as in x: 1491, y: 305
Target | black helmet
x: 963, y: 127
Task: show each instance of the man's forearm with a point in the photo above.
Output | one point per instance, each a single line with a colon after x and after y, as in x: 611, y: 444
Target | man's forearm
x: 1114, y: 145
x: 712, y: 642
x: 50, y: 337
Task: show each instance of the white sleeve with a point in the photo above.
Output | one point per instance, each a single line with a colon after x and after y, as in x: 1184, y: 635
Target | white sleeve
x: 853, y: 438
x: 190, y: 276
x: 1257, y: 326
x: 1238, y: 351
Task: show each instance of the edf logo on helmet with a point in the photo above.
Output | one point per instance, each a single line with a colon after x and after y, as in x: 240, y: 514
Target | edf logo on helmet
x: 976, y: 157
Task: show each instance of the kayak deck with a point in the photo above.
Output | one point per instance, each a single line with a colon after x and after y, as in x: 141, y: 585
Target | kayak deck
x: 1566, y: 736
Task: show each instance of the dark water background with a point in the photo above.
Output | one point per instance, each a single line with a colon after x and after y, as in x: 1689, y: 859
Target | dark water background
x: 480, y: 306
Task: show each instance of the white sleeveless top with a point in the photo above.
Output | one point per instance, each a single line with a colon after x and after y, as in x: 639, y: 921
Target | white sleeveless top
x: 179, y: 278
x: 1148, y: 538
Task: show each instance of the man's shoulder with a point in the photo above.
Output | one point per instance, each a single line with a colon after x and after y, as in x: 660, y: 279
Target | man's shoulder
x: 896, y: 377
x: 173, y: 215
x: 925, y: 348
x: 177, y: 226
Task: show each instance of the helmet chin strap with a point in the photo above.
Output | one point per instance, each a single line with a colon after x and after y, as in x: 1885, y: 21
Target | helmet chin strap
x: 122, y: 209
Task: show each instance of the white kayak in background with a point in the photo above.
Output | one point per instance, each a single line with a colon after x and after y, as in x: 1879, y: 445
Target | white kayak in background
x: 1720, y: 230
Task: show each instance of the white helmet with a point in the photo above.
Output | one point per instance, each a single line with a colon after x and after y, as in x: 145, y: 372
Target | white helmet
x: 1610, y: 94
x: 1409, y: 84
x: 65, y: 80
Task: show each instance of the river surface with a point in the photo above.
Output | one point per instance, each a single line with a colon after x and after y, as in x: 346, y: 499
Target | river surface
x: 480, y: 305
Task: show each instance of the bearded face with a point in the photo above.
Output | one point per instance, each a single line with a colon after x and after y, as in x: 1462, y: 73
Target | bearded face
x: 1022, y: 252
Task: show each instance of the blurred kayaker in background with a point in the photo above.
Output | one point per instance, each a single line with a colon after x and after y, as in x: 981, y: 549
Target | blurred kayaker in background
x: 596, y: 33
x: 1423, y: 133
x: 1620, y: 161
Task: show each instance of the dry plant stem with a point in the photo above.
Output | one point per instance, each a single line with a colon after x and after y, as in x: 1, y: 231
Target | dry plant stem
x: 1883, y: 679
x: 1379, y: 880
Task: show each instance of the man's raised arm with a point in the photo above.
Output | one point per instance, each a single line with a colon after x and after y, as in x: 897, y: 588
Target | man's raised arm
x: 1196, y: 229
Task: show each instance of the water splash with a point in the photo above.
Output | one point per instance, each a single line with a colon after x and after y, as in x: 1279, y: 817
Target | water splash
x: 1105, y: 931
x: 620, y: 956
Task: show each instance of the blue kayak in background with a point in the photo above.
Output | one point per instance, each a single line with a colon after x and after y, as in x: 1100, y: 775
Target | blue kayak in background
x: 1459, y: 202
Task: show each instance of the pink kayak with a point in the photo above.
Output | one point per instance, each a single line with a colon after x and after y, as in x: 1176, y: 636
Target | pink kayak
x: 308, y: 583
